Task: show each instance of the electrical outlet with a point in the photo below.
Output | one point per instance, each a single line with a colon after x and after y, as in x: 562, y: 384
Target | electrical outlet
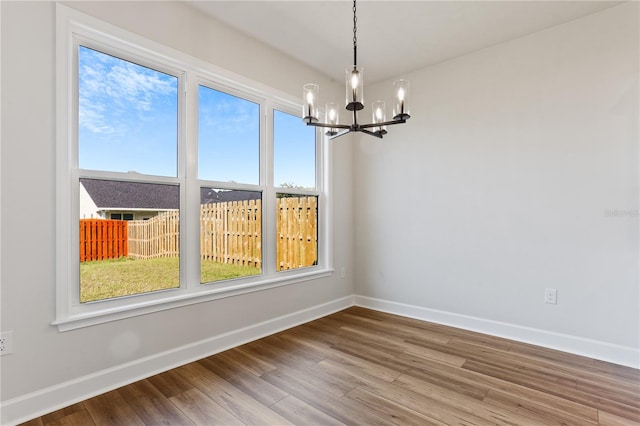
x: 6, y: 343
x: 343, y: 272
x: 551, y: 296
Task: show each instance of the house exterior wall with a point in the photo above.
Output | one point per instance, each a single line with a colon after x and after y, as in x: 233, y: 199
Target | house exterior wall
x: 88, y: 209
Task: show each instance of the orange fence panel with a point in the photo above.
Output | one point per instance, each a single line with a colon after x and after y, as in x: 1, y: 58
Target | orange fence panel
x: 102, y: 239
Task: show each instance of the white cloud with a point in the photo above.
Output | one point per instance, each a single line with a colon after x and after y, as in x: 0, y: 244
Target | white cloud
x: 111, y: 90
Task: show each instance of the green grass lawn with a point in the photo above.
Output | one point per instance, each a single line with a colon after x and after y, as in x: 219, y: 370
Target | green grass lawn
x: 106, y: 279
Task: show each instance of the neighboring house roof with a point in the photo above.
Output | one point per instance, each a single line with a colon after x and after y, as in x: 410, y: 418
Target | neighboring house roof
x: 112, y: 194
x: 210, y: 195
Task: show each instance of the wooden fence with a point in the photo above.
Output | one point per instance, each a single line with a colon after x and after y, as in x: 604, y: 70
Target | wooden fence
x: 296, y: 232
x: 103, y: 239
x: 230, y: 232
x: 155, y: 237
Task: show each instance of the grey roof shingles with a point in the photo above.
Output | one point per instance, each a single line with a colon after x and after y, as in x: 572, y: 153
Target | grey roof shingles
x: 113, y: 194
x: 210, y: 195
x: 132, y: 195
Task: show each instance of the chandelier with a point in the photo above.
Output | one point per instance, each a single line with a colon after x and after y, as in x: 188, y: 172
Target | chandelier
x: 355, y: 102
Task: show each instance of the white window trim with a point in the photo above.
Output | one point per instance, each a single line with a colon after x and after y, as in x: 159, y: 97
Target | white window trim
x: 72, y: 25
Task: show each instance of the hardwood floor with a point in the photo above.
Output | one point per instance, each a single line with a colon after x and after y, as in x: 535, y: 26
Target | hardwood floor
x: 363, y: 367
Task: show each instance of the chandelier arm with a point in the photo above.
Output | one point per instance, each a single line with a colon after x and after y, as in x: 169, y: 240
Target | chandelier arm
x: 376, y: 134
x: 384, y: 123
x: 356, y: 126
x: 332, y: 126
x: 339, y: 134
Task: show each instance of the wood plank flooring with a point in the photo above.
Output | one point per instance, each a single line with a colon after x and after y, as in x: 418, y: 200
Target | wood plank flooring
x: 363, y: 367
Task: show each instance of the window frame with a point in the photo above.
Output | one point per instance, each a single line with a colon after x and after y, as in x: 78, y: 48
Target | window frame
x: 74, y: 28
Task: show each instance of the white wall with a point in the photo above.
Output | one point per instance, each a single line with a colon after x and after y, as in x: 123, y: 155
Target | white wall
x: 503, y: 183
x: 100, y: 355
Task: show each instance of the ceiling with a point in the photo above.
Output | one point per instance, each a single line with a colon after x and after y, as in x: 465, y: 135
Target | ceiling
x: 394, y: 37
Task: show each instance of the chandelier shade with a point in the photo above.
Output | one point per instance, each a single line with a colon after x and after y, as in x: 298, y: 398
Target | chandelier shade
x: 355, y: 89
x: 401, y: 108
x: 331, y: 117
x: 354, y: 102
x: 310, y: 106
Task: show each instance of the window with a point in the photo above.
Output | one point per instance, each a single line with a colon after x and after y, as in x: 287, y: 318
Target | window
x: 183, y: 185
x: 230, y: 234
x: 228, y: 137
x: 129, y: 216
x: 294, y: 152
x: 123, y: 257
x: 127, y: 116
x: 297, y: 201
x: 127, y: 126
x: 124, y: 216
x: 230, y: 217
x: 296, y: 231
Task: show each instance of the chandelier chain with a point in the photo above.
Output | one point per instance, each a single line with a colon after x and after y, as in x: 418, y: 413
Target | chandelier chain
x: 355, y: 28
x: 355, y: 37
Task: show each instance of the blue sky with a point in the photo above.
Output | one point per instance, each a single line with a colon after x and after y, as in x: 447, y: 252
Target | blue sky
x: 128, y: 122
x: 127, y: 116
x: 228, y: 137
x: 293, y: 151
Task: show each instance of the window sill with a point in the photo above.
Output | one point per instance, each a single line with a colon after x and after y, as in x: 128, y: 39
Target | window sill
x: 76, y: 321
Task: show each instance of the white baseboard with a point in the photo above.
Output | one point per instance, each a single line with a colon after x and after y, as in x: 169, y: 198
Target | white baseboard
x: 567, y: 343
x: 35, y: 404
